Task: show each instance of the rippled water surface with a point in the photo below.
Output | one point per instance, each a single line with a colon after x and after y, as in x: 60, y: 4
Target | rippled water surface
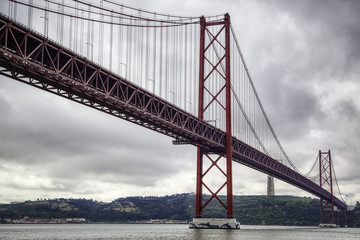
x: 171, y: 231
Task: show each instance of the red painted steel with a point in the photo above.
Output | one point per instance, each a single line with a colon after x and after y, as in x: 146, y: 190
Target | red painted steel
x: 326, y: 180
x: 228, y: 120
x: 29, y: 57
x: 199, y: 170
x: 227, y: 152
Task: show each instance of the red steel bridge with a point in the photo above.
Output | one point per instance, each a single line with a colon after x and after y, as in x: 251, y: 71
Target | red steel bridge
x: 184, y: 77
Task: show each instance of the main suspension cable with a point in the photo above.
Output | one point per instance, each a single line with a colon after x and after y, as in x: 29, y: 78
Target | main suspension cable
x: 312, y: 168
x: 337, y: 185
x: 168, y: 21
x: 260, y: 103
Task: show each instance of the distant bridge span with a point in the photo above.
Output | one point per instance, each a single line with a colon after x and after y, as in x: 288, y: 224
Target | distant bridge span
x: 31, y: 58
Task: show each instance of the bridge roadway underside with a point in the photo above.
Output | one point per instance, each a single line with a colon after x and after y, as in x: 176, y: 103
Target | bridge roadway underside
x: 31, y: 58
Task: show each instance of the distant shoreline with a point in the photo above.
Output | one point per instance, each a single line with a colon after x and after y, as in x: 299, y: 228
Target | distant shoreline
x: 173, y: 209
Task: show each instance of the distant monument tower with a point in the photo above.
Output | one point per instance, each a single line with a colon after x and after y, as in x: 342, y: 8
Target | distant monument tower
x: 270, y: 186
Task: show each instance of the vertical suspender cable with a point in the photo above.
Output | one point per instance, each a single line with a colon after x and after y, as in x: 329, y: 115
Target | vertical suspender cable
x: 185, y: 68
x: 10, y: 9
x: 161, y: 63
x: 46, y: 19
x: 135, y: 55
x: 130, y: 56
x: 196, y: 85
x: 82, y: 33
x: 76, y: 34
x: 61, y: 22
x: 176, y: 64
x: 180, y: 61
x: 154, y: 58
x: 147, y: 54
x: 58, y: 24
x: 30, y: 14
x: 120, y: 44
x: 92, y: 40
x: 141, y: 57
x: 15, y: 10
x: 101, y: 35
x: 127, y: 52
x: 167, y: 52
x: 71, y: 33
x: 191, y: 67
x: 89, y: 44
x: 111, y: 41
x: 173, y: 67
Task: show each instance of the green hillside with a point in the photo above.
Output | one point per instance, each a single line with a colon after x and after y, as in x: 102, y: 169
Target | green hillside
x: 253, y: 210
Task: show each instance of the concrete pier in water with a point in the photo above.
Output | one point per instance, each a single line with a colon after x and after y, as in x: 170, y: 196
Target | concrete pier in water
x: 215, y: 223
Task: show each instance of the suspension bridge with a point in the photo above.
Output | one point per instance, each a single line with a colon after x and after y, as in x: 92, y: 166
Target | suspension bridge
x: 184, y: 77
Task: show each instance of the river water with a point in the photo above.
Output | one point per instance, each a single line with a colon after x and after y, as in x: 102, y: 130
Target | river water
x: 170, y: 231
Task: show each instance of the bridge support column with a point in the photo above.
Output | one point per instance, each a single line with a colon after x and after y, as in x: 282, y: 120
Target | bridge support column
x: 216, y: 34
x: 228, y: 120
x: 199, y: 173
x: 327, y: 217
x: 341, y: 218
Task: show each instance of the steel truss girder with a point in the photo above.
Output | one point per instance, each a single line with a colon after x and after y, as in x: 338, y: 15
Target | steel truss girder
x: 29, y: 57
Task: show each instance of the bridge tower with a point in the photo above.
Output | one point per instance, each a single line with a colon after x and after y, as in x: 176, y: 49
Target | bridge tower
x: 327, y: 217
x: 341, y: 218
x: 217, y: 32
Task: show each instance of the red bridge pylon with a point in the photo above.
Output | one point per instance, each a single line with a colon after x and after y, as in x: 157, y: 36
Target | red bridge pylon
x: 216, y: 32
x: 326, y: 207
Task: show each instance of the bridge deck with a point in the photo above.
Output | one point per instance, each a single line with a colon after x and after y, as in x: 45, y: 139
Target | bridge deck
x: 31, y: 58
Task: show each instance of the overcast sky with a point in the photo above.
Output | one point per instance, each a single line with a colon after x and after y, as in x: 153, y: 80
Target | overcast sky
x: 304, y: 57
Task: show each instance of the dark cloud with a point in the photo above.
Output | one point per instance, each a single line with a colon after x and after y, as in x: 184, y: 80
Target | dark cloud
x: 290, y: 106
x: 348, y: 110
x: 331, y: 31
